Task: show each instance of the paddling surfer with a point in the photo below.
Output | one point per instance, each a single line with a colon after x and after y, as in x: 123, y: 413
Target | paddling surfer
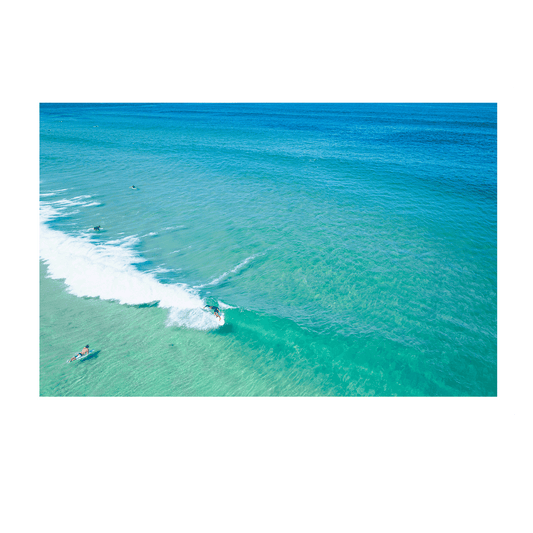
x: 85, y: 351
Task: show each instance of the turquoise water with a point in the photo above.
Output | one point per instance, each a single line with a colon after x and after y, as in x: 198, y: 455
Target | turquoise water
x: 351, y: 248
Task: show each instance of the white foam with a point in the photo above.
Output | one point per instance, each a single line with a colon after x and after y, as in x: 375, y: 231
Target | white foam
x: 232, y: 271
x: 245, y: 262
x: 107, y: 271
x: 60, y: 208
x: 160, y: 270
x: 129, y: 240
x: 76, y: 201
x: 52, y: 193
x: 222, y: 305
x: 67, y: 203
x: 199, y: 317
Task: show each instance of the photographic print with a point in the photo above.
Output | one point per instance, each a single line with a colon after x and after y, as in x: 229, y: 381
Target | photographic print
x: 268, y: 249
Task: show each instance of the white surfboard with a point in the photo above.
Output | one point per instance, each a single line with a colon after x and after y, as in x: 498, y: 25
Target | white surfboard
x: 79, y: 356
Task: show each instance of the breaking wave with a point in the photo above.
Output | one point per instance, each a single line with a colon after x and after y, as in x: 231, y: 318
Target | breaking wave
x: 108, y: 271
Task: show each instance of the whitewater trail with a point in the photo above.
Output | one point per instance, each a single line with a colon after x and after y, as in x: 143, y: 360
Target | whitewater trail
x: 107, y: 271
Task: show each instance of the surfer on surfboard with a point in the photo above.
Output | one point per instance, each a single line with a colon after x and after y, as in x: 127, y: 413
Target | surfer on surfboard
x: 215, y: 309
x: 85, y: 351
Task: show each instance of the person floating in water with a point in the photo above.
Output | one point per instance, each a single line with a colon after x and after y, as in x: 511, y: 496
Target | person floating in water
x: 133, y: 187
x: 215, y: 309
x: 96, y: 228
x: 85, y: 351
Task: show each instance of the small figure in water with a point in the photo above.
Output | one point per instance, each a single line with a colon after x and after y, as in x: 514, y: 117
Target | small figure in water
x: 133, y: 187
x: 215, y: 309
x: 96, y: 228
x: 85, y: 351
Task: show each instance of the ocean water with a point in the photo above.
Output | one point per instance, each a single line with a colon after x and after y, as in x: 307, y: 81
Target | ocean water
x: 351, y: 248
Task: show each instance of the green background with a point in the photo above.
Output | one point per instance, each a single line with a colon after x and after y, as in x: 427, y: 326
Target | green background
x: 263, y: 474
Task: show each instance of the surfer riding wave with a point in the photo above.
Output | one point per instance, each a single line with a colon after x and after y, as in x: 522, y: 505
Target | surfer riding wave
x: 215, y: 309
